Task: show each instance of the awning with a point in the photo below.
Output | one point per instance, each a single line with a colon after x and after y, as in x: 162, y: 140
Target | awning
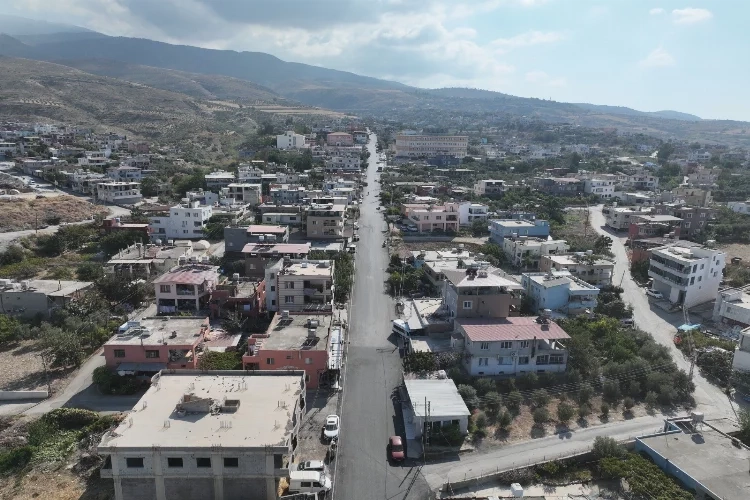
x: 687, y: 327
x: 132, y: 368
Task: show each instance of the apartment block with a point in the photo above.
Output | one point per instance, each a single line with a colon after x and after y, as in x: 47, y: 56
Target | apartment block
x: 512, y: 228
x: 559, y: 291
x: 435, y: 217
x: 347, y: 163
x: 527, y: 252
x: 510, y: 346
x: 638, y: 181
x: 219, y: 179
x: 563, y: 186
x: 589, y: 268
x: 196, y: 435
x: 325, y: 221
x: 469, y: 212
x: 476, y: 292
x: 693, y: 196
x: 415, y: 145
x: 290, y: 140
x: 339, y: 139
x: 124, y: 173
x: 490, y: 187
x: 309, y: 342
x: 686, y: 273
x: 603, y: 188
x: 119, y: 193
x: 732, y: 307
x: 259, y: 255
x: 619, y: 218
x: 300, y: 285
x: 181, y: 222
x: 185, y: 288
x: 244, y: 193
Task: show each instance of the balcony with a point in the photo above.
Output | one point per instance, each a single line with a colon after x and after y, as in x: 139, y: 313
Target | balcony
x: 185, y: 290
x: 669, y: 265
x: 664, y: 276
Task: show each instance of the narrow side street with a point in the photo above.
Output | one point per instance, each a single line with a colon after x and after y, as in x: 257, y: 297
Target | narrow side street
x: 369, y: 414
x: 660, y: 324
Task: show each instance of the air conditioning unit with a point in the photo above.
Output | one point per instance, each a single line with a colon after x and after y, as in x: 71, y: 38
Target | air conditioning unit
x: 285, y: 314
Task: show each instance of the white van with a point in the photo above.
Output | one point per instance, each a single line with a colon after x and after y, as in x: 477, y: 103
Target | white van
x: 401, y: 328
x: 308, y: 481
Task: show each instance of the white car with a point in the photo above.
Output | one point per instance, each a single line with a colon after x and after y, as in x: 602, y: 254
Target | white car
x: 654, y: 294
x: 317, y: 465
x: 331, y: 429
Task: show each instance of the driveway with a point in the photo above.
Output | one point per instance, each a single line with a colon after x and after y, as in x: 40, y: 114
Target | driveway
x: 660, y: 324
x: 373, y: 371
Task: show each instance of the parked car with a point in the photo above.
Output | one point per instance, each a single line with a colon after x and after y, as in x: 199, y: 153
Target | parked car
x: 396, y: 448
x: 317, y: 465
x: 331, y: 429
x: 627, y: 322
x: 654, y: 294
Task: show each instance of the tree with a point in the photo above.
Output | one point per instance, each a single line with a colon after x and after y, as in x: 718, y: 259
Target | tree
x: 119, y: 240
x: 717, y: 365
x: 611, y: 391
x: 12, y: 255
x: 89, y: 271
x: 565, y: 412
x: 149, y: 186
x: 651, y: 400
x: 540, y: 398
x: 602, y: 244
x: 61, y: 347
x: 469, y: 395
x: 484, y: 385
x: 744, y: 421
x: 585, y: 393
x: 480, y: 420
x: 665, y: 151
x: 607, y: 447
x: 541, y: 415
x: 639, y: 270
x: 628, y: 403
x: 214, y: 360
x: 493, y: 401
x: 479, y: 228
x: 514, y: 400
x: 584, y: 410
x: 605, y: 410
x: 504, y: 419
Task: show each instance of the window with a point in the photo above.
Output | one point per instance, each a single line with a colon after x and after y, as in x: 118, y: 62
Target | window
x: 689, y: 215
x: 203, y: 462
x: 273, y: 288
x: 523, y: 360
x: 289, y: 285
x: 134, y: 462
x: 308, y: 361
x: 119, y: 353
x: 288, y: 356
x: 543, y: 359
x: 700, y: 278
x: 506, y: 344
x: 288, y: 299
x: 702, y: 265
x: 306, y: 484
x: 485, y: 346
x: 184, y: 231
x: 174, y: 462
x: 687, y: 224
x: 165, y: 288
x: 556, y: 359
x: 692, y: 280
x: 695, y: 267
x: 438, y: 217
x: 467, y: 304
x: 524, y: 344
x: 504, y: 360
x: 273, y: 302
x: 231, y: 462
x: 483, y: 361
x: 152, y: 353
x: 270, y: 361
x: 703, y: 215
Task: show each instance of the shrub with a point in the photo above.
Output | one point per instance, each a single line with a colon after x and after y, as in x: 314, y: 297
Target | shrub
x: 528, y: 380
x: 480, y: 419
x: 540, y: 398
x: 585, y: 393
x: 70, y: 418
x: 514, y: 400
x: 504, y: 419
x: 565, y: 412
x: 628, y: 403
x: 458, y: 376
x: 634, y: 389
x: 493, y: 401
x: 541, y: 415
x: 611, y: 391
x: 651, y: 400
x: 469, y: 395
x: 15, y: 459
x: 605, y: 410
x: 606, y: 447
x: 584, y: 410
x: 484, y: 385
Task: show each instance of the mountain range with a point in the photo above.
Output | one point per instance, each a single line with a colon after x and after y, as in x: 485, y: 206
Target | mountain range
x: 258, y: 77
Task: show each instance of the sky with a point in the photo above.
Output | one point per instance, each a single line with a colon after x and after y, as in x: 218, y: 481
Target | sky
x: 688, y: 55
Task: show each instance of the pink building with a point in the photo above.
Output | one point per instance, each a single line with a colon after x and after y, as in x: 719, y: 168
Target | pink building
x: 433, y: 217
x: 340, y: 139
x: 185, y: 288
x: 300, y: 342
x: 151, y: 344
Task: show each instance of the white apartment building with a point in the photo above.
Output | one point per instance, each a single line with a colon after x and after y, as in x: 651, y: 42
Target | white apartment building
x: 349, y: 162
x: 125, y: 173
x: 732, y: 307
x: 643, y: 181
x: 699, y: 156
x: 83, y: 181
x: 249, y: 174
x: 489, y: 187
x: 414, y: 145
x: 94, y: 158
x: 619, y: 218
x: 302, y: 285
x: 603, y: 188
x: 119, y: 193
x: 244, y: 193
x: 741, y: 207
x: 590, y: 269
x: 290, y: 140
x: 205, y: 434
x: 469, y: 212
x: 686, y: 273
x: 527, y: 252
x: 181, y: 222
x: 219, y: 179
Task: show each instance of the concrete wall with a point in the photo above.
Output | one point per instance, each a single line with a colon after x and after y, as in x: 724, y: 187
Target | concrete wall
x: 22, y: 395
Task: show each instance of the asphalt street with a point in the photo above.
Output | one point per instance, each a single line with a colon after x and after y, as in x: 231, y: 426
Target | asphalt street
x: 373, y: 372
x: 660, y: 324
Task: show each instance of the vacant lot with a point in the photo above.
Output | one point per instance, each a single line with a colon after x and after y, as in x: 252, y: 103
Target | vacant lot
x: 19, y: 214
x: 23, y: 369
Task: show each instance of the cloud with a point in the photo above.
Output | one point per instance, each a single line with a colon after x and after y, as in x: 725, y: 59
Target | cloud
x: 656, y: 11
x: 542, y: 78
x: 690, y: 15
x: 658, y: 58
x: 526, y: 39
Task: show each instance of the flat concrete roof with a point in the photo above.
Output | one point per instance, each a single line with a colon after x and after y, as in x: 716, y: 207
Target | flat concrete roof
x: 263, y: 404
x: 293, y: 333
x: 567, y: 260
x: 263, y: 229
x: 311, y: 268
x: 461, y: 279
x: 52, y: 288
x: 190, y: 274
x: 709, y: 457
x: 441, y: 394
x: 163, y: 330
x: 276, y: 248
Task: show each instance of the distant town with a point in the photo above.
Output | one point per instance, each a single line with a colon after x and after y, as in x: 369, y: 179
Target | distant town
x: 352, y: 308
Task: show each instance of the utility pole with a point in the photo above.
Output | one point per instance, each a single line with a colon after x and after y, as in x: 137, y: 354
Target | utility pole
x: 46, y: 375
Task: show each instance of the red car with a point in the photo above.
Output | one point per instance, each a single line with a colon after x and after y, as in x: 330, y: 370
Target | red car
x: 396, y: 448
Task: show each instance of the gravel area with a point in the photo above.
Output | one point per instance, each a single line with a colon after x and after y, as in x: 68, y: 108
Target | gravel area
x: 23, y: 369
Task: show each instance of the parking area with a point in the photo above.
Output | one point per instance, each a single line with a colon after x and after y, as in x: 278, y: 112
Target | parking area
x: 311, y: 445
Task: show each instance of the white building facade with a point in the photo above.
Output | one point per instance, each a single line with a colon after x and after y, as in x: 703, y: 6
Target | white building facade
x: 182, y: 222
x: 290, y: 140
x: 119, y: 193
x: 687, y: 275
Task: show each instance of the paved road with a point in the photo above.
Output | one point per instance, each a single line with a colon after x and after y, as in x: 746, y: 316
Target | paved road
x: 535, y: 450
x: 373, y: 372
x: 660, y: 324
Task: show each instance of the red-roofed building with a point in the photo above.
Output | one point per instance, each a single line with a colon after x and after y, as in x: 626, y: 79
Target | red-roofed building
x: 185, y: 288
x: 509, y: 346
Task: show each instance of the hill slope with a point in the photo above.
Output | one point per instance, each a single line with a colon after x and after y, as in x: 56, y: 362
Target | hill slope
x: 34, y: 90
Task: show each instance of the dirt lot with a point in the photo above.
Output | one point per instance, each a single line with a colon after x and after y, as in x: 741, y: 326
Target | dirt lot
x: 737, y: 250
x: 19, y: 214
x: 310, y: 445
x: 23, y: 369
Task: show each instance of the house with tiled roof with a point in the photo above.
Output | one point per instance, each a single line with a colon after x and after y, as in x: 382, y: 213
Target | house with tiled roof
x: 510, y: 346
x: 185, y: 288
